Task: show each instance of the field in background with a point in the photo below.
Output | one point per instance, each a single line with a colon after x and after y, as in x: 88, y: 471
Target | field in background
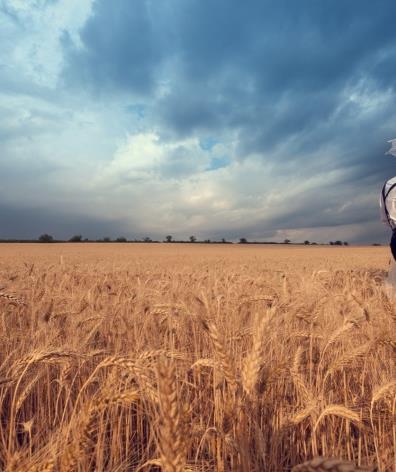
x: 117, y: 357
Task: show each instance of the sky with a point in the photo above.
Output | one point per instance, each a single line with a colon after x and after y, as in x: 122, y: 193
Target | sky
x: 263, y: 119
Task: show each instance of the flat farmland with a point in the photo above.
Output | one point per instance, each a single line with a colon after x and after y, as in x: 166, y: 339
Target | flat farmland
x: 194, y: 357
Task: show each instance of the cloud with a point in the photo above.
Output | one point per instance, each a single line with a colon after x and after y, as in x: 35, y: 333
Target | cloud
x: 143, y: 156
x: 26, y: 222
x: 223, y: 119
x: 119, y: 49
x: 31, y: 36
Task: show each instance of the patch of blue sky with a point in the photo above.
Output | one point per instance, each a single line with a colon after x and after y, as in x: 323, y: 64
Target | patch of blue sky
x: 207, y: 144
x: 219, y: 163
x: 137, y: 109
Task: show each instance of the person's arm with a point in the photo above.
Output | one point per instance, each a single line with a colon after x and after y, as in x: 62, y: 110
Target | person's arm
x: 384, y: 218
x: 391, y: 207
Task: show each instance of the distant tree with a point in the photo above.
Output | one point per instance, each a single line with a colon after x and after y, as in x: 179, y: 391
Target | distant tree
x: 376, y: 244
x: 121, y: 239
x: 193, y: 239
x: 346, y: 243
x: 207, y: 241
x: 223, y: 240
x: 77, y: 238
x: 106, y: 239
x: 287, y: 241
x: 168, y: 238
x: 243, y: 241
x: 331, y: 243
x: 46, y: 238
x: 338, y: 243
x: 147, y: 239
x: 314, y: 244
x: 306, y: 242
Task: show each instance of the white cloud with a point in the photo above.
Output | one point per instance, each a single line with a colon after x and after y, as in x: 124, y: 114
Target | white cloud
x: 145, y: 156
x: 110, y: 153
x: 31, y: 36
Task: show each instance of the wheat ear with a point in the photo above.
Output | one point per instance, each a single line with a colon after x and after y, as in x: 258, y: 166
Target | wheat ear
x: 340, y: 411
x: 47, y: 466
x: 383, y: 391
x: 298, y: 379
x: 254, y: 361
x: 347, y: 359
x: 87, y: 425
x: 221, y: 351
x: 170, y: 438
x: 323, y: 464
x: 12, y: 299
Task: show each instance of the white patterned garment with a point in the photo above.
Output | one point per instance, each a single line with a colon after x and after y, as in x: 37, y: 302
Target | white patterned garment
x: 390, y: 203
x: 389, y: 219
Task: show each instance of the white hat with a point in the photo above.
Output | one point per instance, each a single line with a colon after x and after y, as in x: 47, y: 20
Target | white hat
x: 392, y: 150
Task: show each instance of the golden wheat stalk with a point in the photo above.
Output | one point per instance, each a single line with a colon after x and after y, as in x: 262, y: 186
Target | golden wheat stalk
x: 348, y: 359
x: 139, y: 368
x: 171, y: 442
x: 324, y: 464
x: 221, y: 351
x: 298, y: 379
x: 46, y: 466
x: 86, y: 426
x: 382, y: 391
x: 12, y: 299
x: 308, y: 412
x: 253, y: 364
x: 336, y: 335
x: 51, y: 355
x: 340, y: 411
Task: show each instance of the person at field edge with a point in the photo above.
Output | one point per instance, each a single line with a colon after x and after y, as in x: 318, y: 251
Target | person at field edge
x: 388, y: 203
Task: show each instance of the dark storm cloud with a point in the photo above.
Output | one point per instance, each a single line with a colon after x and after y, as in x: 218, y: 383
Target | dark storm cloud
x: 120, y: 49
x: 24, y: 223
x: 268, y: 70
x: 290, y: 91
x: 296, y: 51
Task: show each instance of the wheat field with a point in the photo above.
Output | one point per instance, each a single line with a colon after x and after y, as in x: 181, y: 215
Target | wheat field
x: 138, y: 357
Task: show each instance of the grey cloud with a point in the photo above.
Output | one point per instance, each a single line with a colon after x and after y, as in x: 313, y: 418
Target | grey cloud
x: 26, y: 222
x: 266, y: 70
x: 179, y: 164
x: 290, y: 61
x: 302, y: 88
x: 119, y: 49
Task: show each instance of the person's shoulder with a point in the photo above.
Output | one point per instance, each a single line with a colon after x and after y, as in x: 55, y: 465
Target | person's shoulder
x: 390, y: 188
x: 391, y: 181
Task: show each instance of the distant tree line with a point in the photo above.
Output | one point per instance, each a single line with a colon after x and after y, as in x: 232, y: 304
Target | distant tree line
x: 78, y: 238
